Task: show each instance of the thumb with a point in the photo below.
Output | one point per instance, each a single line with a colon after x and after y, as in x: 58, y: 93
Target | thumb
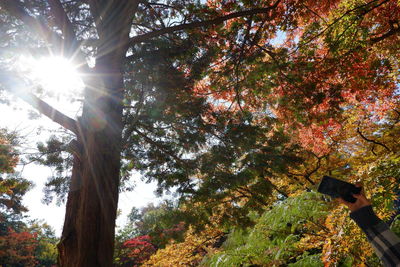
x: 360, y: 185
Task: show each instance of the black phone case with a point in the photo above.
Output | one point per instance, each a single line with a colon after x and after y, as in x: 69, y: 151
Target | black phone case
x: 338, y: 188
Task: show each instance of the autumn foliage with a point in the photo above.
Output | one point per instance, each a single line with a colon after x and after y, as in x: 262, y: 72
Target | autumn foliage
x: 327, y: 73
x: 21, y: 243
x: 135, y: 251
x: 17, y: 249
x: 236, y: 108
x: 8, y: 157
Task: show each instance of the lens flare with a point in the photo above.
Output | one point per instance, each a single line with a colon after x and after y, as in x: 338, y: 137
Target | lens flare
x: 54, y: 74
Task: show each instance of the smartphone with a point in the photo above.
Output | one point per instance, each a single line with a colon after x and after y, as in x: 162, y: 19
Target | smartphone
x: 337, y: 188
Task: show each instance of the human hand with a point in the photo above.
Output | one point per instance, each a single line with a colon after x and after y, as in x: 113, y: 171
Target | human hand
x: 361, y: 201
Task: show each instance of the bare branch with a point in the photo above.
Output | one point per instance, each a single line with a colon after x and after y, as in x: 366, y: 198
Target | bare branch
x: 238, y: 61
x: 308, y: 174
x: 219, y: 20
x: 315, y: 13
x: 13, y: 85
x: 160, y: 4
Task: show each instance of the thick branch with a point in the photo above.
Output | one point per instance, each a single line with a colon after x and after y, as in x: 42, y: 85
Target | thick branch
x: 62, y: 21
x: 12, y: 85
x: 50, y: 112
x: 16, y: 9
x: 219, y: 20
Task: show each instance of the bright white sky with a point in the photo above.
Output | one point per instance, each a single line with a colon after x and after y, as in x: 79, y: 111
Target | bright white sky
x: 15, y: 117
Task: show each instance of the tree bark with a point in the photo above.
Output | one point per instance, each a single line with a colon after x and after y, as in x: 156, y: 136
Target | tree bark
x: 88, y: 233
x: 89, y: 226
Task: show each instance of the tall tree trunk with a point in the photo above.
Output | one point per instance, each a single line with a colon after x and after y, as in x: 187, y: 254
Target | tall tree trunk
x: 89, y: 228
x: 88, y: 233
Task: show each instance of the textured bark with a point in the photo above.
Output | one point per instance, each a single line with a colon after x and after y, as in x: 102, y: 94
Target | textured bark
x: 68, y: 242
x: 88, y: 233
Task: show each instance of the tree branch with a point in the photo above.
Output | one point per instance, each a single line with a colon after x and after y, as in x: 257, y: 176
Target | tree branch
x: 339, y: 19
x: 185, y: 26
x: 306, y: 176
x: 169, y: 153
x: 63, y: 21
x: 15, y: 8
x: 393, y: 30
x: 244, y: 189
x: 371, y: 140
x: 279, y: 190
x: 172, y: 51
x: 396, y: 120
x: 157, y: 14
x: 15, y: 86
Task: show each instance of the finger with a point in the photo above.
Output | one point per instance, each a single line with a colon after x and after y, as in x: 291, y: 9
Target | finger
x: 360, y: 196
x: 361, y: 199
x: 360, y: 185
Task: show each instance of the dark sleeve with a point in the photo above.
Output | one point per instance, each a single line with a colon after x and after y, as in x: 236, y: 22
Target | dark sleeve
x: 383, y: 240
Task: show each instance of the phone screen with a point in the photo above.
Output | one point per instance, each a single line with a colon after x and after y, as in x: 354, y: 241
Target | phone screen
x: 338, y: 188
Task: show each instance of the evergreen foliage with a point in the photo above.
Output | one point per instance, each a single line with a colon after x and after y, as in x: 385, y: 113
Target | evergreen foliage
x: 239, y: 107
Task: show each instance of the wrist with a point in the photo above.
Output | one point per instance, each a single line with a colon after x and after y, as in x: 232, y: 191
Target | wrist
x: 365, y: 217
x: 355, y: 207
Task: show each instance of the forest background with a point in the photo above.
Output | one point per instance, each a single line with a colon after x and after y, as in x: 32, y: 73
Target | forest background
x: 202, y: 98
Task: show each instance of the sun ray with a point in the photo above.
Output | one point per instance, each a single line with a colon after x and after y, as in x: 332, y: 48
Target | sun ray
x: 54, y: 74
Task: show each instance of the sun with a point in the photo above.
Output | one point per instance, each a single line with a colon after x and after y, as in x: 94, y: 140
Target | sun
x: 54, y: 74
